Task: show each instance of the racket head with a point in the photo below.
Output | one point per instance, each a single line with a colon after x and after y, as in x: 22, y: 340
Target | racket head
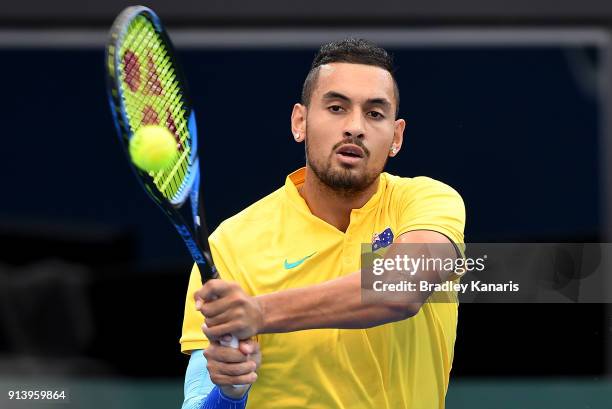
x: 146, y: 86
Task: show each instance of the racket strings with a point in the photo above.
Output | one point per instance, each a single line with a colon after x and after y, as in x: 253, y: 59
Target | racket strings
x: 152, y: 95
x: 176, y: 174
x: 169, y: 180
x: 144, y: 49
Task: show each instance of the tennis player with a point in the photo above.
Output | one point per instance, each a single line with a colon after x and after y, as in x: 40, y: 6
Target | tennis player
x: 290, y: 264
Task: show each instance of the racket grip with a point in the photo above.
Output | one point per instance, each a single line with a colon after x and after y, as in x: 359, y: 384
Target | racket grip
x: 232, y: 343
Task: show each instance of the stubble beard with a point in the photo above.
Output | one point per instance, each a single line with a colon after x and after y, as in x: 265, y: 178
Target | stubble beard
x: 342, y: 180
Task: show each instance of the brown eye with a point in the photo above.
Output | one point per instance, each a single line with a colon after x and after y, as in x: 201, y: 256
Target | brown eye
x: 376, y: 115
x: 335, y: 108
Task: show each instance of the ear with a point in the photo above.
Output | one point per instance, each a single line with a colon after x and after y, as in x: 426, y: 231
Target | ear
x: 298, y: 122
x: 398, y: 137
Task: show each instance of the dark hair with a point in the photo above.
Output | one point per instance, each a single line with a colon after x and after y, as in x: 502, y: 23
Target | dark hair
x: 350, y: 50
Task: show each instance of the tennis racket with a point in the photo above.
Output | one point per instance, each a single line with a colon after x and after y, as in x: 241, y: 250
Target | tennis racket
x: 146, y: 86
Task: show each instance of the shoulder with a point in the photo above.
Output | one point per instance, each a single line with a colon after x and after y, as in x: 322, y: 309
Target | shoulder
x: 424, y: 203
x: 415, y: 189
x: 255, y: 216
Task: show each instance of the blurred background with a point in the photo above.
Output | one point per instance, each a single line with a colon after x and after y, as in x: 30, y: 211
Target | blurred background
x: 508, y: 102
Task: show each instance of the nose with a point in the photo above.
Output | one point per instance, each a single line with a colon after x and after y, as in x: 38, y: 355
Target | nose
x: 354, y: 127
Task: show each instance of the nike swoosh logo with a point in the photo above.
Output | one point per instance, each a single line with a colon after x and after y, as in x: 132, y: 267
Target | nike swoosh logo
x: 289, y: 265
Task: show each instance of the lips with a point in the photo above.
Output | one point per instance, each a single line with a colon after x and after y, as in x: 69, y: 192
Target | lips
x: 350, y: 150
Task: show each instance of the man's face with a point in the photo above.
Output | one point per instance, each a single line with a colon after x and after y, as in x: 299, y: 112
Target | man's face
x: 350, y: 125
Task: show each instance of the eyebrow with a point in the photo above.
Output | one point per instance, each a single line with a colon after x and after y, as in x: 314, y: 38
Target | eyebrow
x: 383, y: 102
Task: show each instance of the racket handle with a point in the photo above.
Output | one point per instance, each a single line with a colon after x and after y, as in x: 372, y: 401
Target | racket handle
x: 232, y: 343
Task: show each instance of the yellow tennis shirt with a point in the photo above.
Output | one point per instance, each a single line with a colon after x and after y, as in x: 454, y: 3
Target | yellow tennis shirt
x: 277, y: 244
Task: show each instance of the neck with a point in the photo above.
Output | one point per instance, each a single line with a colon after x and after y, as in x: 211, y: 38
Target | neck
x: 330, y: 205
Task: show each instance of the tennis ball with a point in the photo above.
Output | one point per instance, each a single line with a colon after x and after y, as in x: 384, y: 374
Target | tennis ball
x: 153, y: 148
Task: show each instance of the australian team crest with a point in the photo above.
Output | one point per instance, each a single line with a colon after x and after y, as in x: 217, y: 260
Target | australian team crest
x: 383, y: 239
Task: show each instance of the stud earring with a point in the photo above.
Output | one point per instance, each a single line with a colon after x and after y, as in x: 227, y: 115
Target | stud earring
x: 394, y: 149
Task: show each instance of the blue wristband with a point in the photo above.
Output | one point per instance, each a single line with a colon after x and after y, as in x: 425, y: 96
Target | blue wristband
x: 217, y: 400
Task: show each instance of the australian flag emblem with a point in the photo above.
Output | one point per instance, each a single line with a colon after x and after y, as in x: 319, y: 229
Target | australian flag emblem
x: 383, y: 239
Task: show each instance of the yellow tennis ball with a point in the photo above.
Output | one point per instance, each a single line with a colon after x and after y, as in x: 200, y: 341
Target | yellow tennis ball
x: 153, y: 148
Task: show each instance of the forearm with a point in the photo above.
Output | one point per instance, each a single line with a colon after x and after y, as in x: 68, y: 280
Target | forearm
x: 332, y: 304
x: 338, y: 303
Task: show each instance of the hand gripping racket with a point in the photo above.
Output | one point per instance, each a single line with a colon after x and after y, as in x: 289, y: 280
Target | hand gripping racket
x: 146, y: 87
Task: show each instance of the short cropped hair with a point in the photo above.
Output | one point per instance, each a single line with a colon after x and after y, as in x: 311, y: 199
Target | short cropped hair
x: 350, y: 50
